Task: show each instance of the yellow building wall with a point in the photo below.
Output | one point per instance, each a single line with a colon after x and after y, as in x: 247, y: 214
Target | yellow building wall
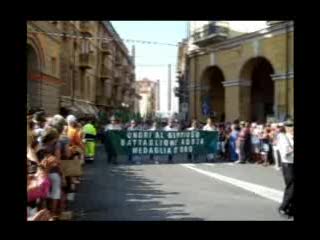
x: 232, y: 105
x: 231, y: 62
x: 51, y: 49
x: 291, y: 97
x: 228, y: 61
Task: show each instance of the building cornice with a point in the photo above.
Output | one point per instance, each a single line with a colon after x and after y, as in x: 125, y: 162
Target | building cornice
x: 247, y: 37
x: 282, y: 76
x: 236, y: 83
x: 67, y: 98
x: 117, y: 39
x: 34, y: 26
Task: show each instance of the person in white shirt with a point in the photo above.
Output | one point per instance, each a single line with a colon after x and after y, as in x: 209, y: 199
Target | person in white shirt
x: 210, y: 127
x: 286, y: 146
x: 275, y: 151
x: 170, y: 127
x: 194, y: 127
x: 134, y: 159
x: 111, y: 154
x: 114, y: 125
x: 155, y: 127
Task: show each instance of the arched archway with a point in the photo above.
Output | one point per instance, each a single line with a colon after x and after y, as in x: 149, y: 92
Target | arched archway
x: 213, y: 92
x: 33, y: 86
x: 258, y: 72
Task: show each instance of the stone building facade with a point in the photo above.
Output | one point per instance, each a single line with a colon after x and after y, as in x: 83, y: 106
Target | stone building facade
x: 94, y: 67
x: 148, y: 90
x: 43, y: 71
x: 245, y: 75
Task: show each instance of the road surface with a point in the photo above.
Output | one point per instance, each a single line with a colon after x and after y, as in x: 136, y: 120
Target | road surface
x: 179, y: 191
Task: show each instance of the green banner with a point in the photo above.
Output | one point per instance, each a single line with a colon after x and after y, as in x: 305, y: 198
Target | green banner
x: 161, y: 142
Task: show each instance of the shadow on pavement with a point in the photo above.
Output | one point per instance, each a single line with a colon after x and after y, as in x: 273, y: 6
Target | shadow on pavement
x: 121, y: 193
x: 181, y: 158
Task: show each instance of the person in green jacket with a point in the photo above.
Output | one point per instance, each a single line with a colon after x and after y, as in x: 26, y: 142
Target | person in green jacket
x: 90, y: 134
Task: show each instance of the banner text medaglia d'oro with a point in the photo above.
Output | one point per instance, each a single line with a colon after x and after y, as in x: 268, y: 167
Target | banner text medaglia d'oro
x: 162, y: 142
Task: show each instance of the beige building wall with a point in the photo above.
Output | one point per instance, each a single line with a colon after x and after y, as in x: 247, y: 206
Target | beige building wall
x: 45, y: 82
x: 231, y: 56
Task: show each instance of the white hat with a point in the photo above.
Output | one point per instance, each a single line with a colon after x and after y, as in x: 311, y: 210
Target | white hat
x: 281, y: 124
x: 58, y: 117
x: 71, y: 119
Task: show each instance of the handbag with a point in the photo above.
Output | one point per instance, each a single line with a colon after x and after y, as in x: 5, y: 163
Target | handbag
x: 71, y: 168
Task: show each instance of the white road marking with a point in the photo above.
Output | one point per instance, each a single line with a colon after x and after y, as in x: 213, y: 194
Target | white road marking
x: 262, y: 191
x: 230, y: 164
x: 208, y: 164
x: 217, y: 164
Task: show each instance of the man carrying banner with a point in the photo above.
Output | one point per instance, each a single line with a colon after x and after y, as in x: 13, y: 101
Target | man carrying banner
x: 194, y: 127
x: 170, y: 127
x: 134, y: 159
x: 155, y: 127
x: 111, y: 153
x: 210, y: 127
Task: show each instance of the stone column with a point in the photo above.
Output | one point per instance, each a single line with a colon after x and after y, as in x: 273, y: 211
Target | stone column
x: 280, y: 81
x: 107, y: 88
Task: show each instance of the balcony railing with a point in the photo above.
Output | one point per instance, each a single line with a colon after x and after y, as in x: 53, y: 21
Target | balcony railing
x: 85, y: 27
x: 86, y: 60
x: 106, y: 48
x: 209, y: 34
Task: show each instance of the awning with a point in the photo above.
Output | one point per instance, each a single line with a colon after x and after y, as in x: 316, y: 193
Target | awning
x: 84, y: 108
x: 75, y: 110
x: 79, y: 108
x: 94, y: 110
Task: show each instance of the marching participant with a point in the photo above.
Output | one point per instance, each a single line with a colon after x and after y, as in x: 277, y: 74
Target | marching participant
x: 134, y: 127
x: 111, y: 154
x: 155, y: 127
x: 194, y: 127
x: 210, y: 127
x: 170, y: 127
x: 90, y: 134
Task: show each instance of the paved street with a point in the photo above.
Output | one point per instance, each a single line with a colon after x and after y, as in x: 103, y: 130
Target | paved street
x: 180, y: 191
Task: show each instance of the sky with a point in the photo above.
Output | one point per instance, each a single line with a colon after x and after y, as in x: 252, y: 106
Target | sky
x: 150, y: 54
